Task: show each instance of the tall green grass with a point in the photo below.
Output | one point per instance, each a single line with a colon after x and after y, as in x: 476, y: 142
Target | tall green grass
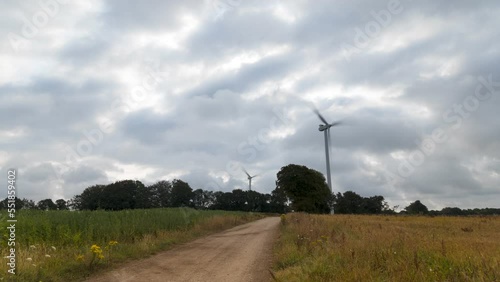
x: 73, y: 228
x: 55, y: 245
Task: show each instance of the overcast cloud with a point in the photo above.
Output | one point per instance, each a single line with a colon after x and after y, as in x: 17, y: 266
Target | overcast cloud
x: 98, y: 91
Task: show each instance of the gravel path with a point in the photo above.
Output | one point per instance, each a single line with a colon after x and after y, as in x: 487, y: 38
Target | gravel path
x: 242, y: 253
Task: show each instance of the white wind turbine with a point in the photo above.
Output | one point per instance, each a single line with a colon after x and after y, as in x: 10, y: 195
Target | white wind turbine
x: 249, y: 179
x: 326, y: 129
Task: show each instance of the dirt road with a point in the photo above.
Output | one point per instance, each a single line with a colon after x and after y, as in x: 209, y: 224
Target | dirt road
x: 242, y: 253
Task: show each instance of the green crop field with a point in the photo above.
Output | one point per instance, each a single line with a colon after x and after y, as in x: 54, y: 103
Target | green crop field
x: 71, y: 245
x: 387, y: 248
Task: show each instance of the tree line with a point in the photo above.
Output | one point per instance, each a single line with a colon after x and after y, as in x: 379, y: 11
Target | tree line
x: 418, y: 208
x: 133, y: 194
x: 46, y: 204
x: 298, y: 188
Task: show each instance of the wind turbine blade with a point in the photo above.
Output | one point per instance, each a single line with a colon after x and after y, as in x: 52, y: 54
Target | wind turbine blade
x: 320, y: 116
x: 255, y: 176
x: 337, y: 123
x: 245, y: 171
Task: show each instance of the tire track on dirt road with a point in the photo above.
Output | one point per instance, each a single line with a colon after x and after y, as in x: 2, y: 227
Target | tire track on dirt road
x: 242, y: 253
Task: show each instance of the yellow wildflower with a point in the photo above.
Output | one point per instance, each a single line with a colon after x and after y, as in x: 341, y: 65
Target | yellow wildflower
x: 79, y: 257
x: 97, y: 251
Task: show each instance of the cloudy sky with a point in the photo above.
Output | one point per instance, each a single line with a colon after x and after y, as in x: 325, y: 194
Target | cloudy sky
x: 97, y: 91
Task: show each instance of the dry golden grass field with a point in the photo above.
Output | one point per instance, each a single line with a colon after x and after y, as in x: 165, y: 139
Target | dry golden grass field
x: 387, y: 248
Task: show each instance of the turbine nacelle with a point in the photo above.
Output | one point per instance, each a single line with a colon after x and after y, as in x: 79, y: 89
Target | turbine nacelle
x: 323, y: 127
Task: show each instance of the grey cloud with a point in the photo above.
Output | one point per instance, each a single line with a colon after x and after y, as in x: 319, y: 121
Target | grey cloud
x: 48, y: 101
x: 39, y: 173
x: 443, y: 177
x: 203, y: 118
x: 153, y: 15
x: 250, y: 75
x: 84, y: 174
x: 147, y: 127
x: 86, y: 50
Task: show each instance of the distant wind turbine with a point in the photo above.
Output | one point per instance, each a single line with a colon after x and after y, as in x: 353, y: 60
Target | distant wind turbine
x: 325, y: 127
x: 249, y: 179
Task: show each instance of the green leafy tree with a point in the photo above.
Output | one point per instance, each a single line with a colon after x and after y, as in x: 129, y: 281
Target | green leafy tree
x: 238, y: 200
x: 257, y: 202
x: 202, y: 199
x: 451, y: 211
x: 46, y: 205
x: 374, y: 205
x: 349, y: 203
x: 223, y: 200
x: 161, y: 192
x: 71, y: 204
x: 417, y: 208
x: 61, y: 205
x: 306, y: 188
x: 28, y: 204
x: 126, y: 194
x: 90, y: 198
x: 18, y: 203
x: 182, y: 194
x: 279, y: 201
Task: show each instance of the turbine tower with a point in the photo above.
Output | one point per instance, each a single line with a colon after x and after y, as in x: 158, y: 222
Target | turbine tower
x: 325, y: 127
x: 249, y: 179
